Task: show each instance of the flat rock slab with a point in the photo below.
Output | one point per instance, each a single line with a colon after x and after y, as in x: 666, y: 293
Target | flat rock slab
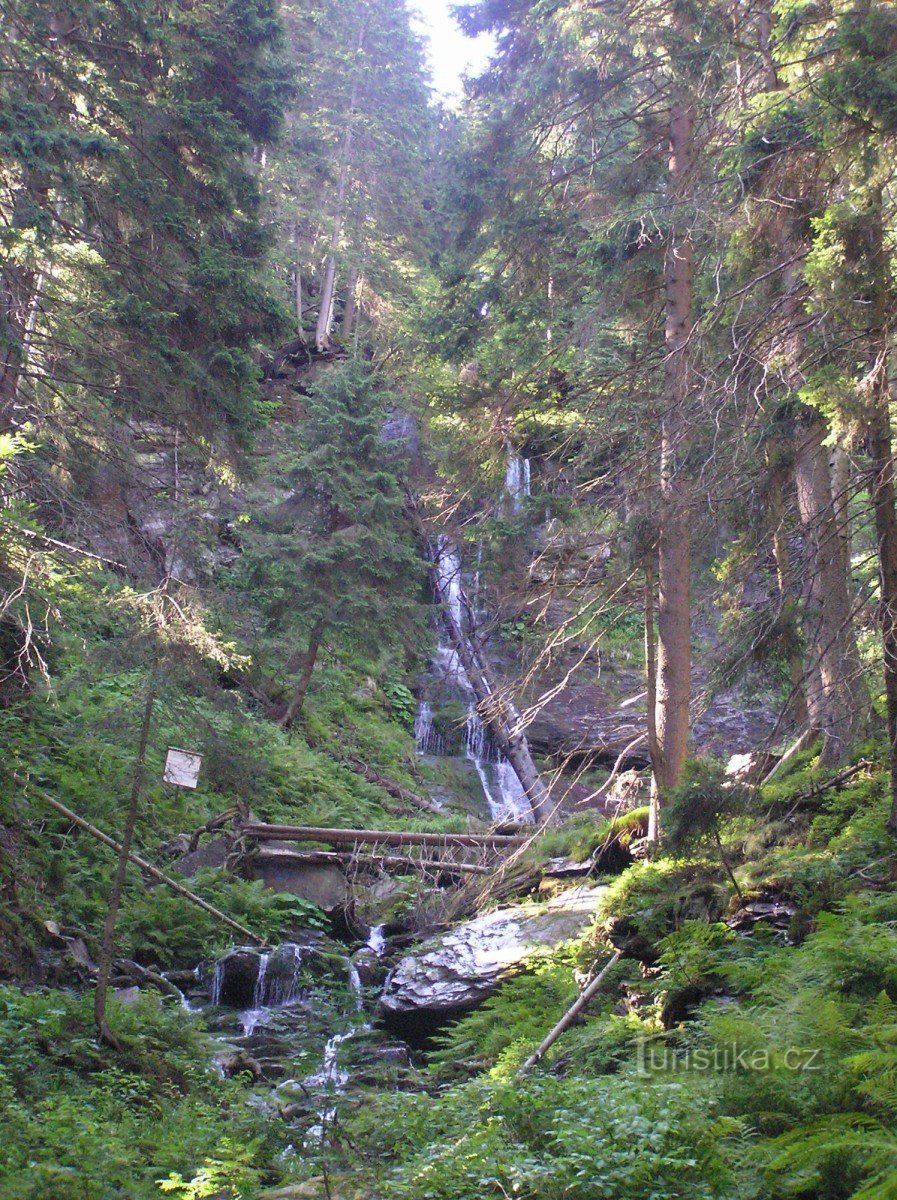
x: 453, y: 972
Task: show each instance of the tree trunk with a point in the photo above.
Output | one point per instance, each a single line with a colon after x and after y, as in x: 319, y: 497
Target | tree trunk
x: 107, y: 950
x: 840, y: 469
x: 836, y: 694
x: 674, y: 544
x: 651, y: 683
x: 787, y: 595
x: 351, y: 310
x: 881, y: 452
x: 328, y: 288
x: 294, y: 708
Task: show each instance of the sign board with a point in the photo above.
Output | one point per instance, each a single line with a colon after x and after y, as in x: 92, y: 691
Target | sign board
x: 182, y: 768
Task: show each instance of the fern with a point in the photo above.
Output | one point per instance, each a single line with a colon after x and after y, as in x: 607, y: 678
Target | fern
x: 849, y: 1144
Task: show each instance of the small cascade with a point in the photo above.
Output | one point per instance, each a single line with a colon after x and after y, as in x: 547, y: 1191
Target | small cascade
x: 427, y: 739
x: 518, y: 477
x: 258, y: 995
x: 377, y: 940
x: 283, y: 984
x: 355, y: 985
x: 478, y: 743
x: 332, y: 1080
x: 251, y: 1019
x: 217, y: 981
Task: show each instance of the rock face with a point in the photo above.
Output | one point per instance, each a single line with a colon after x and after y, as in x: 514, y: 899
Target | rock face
x: 452, y: 973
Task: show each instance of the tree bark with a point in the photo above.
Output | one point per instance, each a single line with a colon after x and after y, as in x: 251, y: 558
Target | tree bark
x: 787, y: 594
x: 836, y: 694
x: 351, y: 310
x: 108, y: 946
x: 294, y: 708
x: 881, y: 452
x: 674, y: 543
x: 651, y: 682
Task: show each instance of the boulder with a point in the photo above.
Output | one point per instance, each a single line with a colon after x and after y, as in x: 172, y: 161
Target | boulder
x: 284, y: 869
x: 453, y: 972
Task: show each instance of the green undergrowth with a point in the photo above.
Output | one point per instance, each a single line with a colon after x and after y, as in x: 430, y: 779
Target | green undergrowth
x: 584, y: 835
x: 82, y: 1122
x: 74, y: 735
x: 751, y: 1065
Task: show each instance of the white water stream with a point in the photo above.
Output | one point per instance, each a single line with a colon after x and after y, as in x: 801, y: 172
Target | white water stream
x: 504, y: 793
x: 518, y: 477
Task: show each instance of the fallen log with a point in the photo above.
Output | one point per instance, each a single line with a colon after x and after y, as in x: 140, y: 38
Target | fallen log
x: 142, y: 863
x: 323, y: 858
x: 385, y: 837
x: 569, y: 1016
x: 390, y: 786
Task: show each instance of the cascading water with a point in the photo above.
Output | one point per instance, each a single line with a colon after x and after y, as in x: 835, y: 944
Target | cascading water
x: 377, y: 940
x: 518, y: 477
x: 217, y: 981
x: 501, y: 787
x: 427, y: 739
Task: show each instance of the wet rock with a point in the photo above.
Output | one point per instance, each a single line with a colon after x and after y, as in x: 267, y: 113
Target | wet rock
x: 282, y: 869
x: 240, y: 1063
x: 566, y: 868
x: 236, y: 976
x: 369, y: 967
x: 250, y: 979
x: 452, y: 973
x: 770, y: 909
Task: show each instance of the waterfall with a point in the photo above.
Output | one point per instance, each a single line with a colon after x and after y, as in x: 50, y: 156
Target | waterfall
x: 258, y: 994
x: 332, y: 1080
x: 377, y: 940
x: 427, y: 739
x: 355, y: 985
x: 501, y: 787
x: 217, y: 981
x: 518, y: 477
x: 285, y: 980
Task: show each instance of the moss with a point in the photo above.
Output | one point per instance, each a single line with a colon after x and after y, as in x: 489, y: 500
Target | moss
x: 655, y: 898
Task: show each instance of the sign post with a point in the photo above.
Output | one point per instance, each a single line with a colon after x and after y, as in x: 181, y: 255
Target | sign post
x: 182, y: 768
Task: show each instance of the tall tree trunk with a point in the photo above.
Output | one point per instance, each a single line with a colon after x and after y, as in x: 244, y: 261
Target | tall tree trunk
x: 674, y: 543
x: 881, y: 452
x: 787, y: 594
x: 651, y: 683
x: 328, y: 288
x: 294, y: 708
x: 351, y: 310
x: 840, y: 468
x: 20, y: 296
x: 107, y: 950
x: 836, y: 695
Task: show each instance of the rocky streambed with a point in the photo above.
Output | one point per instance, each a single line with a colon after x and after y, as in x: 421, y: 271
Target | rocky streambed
x: 314, y: 1026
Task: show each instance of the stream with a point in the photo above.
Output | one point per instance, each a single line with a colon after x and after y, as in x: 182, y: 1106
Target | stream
x: 298, y: 1018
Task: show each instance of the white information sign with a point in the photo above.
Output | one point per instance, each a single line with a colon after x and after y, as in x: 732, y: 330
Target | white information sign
x: 182, y: 768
